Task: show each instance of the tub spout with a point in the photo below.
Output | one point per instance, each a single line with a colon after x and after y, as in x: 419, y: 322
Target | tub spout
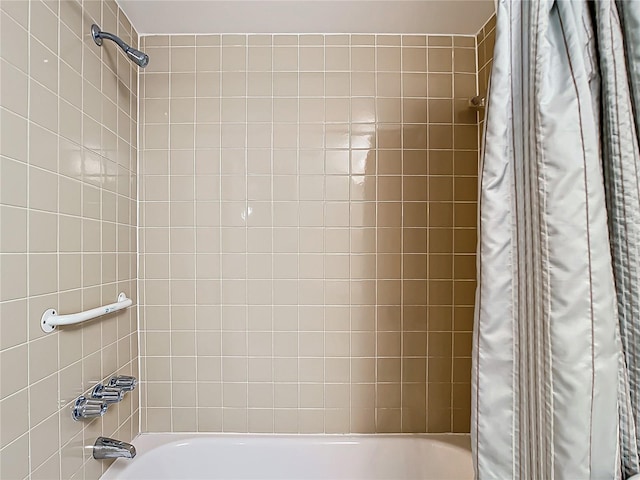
x: 110, y: 448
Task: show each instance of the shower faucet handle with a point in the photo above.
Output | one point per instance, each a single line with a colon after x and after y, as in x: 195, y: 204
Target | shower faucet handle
x: 86, y: 408
x: 125, y: 383
x: 107, y: 394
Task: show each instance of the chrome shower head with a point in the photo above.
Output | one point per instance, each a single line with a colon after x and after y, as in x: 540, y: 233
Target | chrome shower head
x: 136, y: 56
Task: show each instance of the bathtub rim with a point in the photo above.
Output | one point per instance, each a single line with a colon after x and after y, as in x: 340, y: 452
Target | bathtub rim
x: 458, y: 440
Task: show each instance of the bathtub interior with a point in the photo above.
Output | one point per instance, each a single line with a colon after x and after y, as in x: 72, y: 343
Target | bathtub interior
x: 312, y: 457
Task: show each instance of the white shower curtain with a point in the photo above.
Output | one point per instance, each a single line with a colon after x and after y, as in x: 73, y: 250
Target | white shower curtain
x: 556, y: 374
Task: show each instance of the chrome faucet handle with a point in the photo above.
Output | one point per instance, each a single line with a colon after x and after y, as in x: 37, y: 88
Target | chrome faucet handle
x: 123, y: 382
x: 111, y: 448
x: 107, y: 394
x: 86, y: 408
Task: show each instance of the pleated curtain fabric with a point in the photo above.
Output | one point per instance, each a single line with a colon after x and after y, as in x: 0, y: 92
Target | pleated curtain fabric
x: 556, y: 372
x: 618, y: 28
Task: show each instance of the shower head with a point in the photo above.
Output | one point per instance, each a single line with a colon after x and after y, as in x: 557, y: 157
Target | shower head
x: 136, y: 56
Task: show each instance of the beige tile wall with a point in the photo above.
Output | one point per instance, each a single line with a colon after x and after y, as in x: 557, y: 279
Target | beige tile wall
x: 67, y: 230
x: 307, y: 233
x: 485, y: 40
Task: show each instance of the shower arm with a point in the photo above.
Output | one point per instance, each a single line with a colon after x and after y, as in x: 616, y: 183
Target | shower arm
x: 99, y: 35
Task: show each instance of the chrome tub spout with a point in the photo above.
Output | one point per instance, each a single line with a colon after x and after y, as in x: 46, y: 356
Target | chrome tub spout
x: 111, y: 448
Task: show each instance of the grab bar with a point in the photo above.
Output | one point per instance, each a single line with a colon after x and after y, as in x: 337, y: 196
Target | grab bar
x: 50, y: 318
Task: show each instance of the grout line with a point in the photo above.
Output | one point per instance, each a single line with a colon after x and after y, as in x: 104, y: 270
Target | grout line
x: 246, y: 227
x: 377, y: 425
x: 220, y: 234
x: 427, y: 245
x: 324, y: 227
x: 349, y: 204
x: 139, y: 307
x: 453, y: 221
x: 323, y: 34
x: 28, y: 233
x: 169, y: 286
x: 298, y: 238
x: 194, y: 118
x: 272, y: 308
x: 402, y: 228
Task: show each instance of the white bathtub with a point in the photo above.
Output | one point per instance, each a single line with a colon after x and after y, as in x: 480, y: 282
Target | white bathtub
x: 174, y: 456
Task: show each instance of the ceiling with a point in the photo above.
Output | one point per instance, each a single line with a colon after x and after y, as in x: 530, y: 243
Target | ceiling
x: 462, y: 17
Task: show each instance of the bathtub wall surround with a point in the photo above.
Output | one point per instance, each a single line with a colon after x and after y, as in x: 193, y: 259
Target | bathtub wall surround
x: 485, y: 41
x: 307, y: 233
x: 68, y: 150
